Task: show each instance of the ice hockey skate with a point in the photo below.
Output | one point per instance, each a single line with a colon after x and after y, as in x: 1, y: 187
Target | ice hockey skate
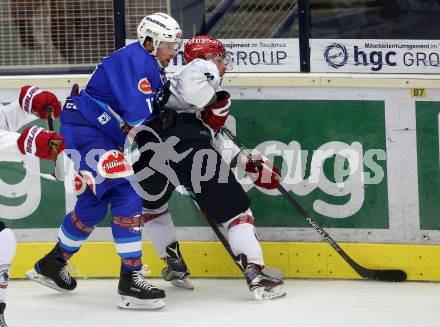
x: 176, y: 271
x: 51, y: 271
x: 137, y: 294
x: 2, y: 315
x: 264, y: 287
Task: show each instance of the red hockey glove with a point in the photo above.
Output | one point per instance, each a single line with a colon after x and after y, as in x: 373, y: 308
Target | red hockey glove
x: 41, y: 143
x: 265, y: 176
x: 36, y: 101
x: 215, y: 115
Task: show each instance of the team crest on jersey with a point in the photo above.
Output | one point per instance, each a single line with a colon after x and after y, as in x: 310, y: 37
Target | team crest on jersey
x: 112, y: 164
x: 81, y: 181
x: 144, y: 86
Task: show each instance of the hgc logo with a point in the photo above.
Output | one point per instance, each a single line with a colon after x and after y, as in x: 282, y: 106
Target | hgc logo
x: 336, y: 55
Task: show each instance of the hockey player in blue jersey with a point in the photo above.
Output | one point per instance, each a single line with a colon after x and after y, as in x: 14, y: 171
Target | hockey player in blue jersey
x: 95, y: 123
x: 201, y: 108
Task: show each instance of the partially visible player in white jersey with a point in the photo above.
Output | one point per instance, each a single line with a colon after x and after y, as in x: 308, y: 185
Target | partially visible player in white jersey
x: 202, y: 108
x: 34, y: 141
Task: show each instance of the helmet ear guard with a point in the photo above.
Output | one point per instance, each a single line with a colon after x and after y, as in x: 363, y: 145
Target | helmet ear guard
x: 160, y: 27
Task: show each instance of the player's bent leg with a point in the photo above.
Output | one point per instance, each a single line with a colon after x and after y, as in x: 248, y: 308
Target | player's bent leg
x: 135, y: 292
x: 163, y: 235
x: 245, y: 245
x: 51, y: 270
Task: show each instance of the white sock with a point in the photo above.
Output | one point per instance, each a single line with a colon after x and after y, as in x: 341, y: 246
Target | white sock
x: 161, y: 230
x: 243, y: 240
x: 7, y: 252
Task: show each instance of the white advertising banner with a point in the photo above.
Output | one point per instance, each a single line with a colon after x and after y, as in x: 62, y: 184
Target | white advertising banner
x: 255, y: 55
x: 375, y: 56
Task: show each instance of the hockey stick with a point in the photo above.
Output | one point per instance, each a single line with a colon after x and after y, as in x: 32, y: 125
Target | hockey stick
x: 221, y: 237
x: 49, y: 177
x: 268, y: 270
x: 389, y: 275
x: 237, y: 259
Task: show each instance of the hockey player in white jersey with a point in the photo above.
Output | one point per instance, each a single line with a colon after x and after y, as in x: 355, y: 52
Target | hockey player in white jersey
x: 202, y: 109
x: 14, y: 147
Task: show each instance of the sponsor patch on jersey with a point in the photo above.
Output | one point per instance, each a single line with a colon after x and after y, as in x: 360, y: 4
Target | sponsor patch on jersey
x: 112, y: 164
x: 144, y: 86
x: 79, y: 184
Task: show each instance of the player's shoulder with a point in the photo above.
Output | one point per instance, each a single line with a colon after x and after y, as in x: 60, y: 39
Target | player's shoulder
x: 133, y: 54
x: 133, y: 59
x: 203, y: 65
x: 200, y: 68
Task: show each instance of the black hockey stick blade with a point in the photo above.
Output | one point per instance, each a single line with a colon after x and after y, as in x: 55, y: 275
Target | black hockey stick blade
x: 391, y: 275
x: 385, y: 275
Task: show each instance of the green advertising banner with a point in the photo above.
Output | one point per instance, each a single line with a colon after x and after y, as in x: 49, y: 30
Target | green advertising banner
x: 428, y: 151
x: 310, y: 124
x: 364, y: 162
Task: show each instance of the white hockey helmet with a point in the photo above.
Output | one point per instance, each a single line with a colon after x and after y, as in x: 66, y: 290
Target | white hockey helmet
x: 159, y: 27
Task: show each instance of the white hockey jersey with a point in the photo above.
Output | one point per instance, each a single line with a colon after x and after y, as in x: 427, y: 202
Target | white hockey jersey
x: 11, y: 119
x: 193, y: 86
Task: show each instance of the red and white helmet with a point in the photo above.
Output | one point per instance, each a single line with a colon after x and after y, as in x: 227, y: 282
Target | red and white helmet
x: 159, y: 27
x: 208, y: 48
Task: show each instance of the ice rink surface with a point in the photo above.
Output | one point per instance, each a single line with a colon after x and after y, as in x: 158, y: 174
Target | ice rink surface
x: 227, y: 303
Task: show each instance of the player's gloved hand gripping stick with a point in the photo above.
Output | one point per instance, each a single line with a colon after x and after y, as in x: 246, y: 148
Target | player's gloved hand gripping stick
x: 389, y: 275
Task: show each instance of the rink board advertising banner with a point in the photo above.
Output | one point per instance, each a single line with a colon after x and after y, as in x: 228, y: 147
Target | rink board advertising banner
x: 363, y: 162
x: 375, y: 56
x: 255, y: 55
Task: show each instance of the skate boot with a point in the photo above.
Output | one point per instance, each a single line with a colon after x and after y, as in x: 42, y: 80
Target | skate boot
x: 176, y: 271
x: 2, y: 314
x: 51, y: 271
x: 137, y: 294
x: 263, y: 286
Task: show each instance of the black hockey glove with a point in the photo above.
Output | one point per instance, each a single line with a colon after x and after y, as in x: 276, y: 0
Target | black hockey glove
x: 161, y: 97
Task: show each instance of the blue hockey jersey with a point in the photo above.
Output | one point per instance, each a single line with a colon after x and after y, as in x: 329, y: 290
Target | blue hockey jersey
x: 120, y: 90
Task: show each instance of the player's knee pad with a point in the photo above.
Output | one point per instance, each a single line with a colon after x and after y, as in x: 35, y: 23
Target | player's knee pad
x: 160, y: 228
x: 243, y: 239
